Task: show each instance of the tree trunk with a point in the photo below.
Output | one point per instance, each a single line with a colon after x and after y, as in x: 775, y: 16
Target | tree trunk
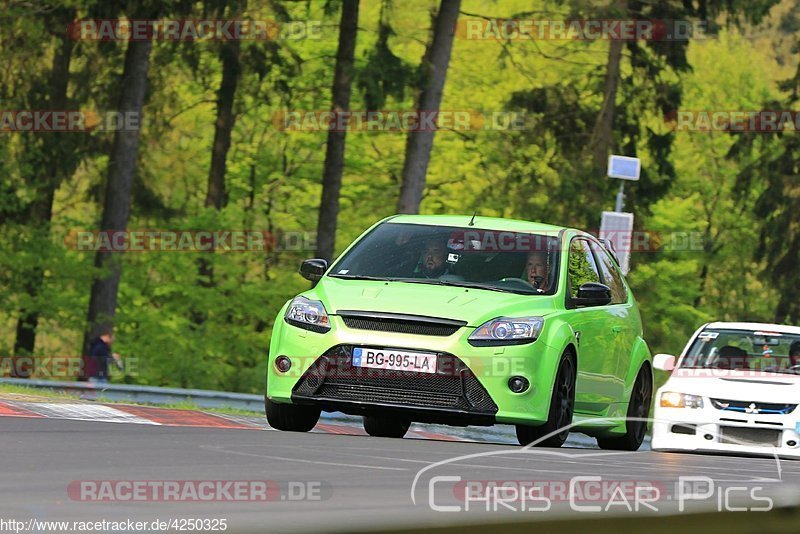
x: 53, y: 171
x: 334, y: 152
x: 229, y: 53
x: 785, y: 272
x: 434, y: 70
x: 703, y: 281
x: 602, y: 139
x: 117, y: 204
x: 216, y: 196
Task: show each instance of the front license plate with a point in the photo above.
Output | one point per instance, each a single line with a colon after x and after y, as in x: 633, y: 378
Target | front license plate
x: 396, y: 360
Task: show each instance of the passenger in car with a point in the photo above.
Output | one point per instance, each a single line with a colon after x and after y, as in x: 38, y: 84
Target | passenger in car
x: 402, y: 259
x: 794, y: 354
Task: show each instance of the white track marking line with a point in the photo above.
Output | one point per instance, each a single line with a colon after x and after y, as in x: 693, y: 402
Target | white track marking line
x: 86, y: 412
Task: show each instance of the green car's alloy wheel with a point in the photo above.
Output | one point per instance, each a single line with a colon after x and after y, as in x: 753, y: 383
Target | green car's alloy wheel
x: 562, y: 407
x: 638, y: 410
x: 385, y: 427
x: 291, y: 417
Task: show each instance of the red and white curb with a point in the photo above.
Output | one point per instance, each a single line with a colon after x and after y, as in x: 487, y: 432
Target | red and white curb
x: 147, y: 415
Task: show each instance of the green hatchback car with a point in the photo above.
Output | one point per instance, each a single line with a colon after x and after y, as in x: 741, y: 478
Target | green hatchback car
x: 465, y: 321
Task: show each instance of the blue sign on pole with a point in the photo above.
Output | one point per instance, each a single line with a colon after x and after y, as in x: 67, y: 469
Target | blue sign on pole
x: 624, y: 167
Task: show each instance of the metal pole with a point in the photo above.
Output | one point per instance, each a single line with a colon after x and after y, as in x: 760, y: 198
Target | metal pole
x: 620, y: 197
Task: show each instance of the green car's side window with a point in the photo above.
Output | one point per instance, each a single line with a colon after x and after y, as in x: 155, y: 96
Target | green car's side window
x: 581, y: 266
x: 611, y: 276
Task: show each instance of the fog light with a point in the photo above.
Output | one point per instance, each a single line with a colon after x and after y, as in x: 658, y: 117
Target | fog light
x: 283, y: 363
x: 708, y: 437
x: 518, y: 384
x: 688, y: 430
x: 791, y: 443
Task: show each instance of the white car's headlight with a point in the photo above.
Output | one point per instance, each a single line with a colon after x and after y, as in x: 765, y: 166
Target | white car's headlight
x: 507, y: 331
x: 670, y: 399
x: 308, y: 314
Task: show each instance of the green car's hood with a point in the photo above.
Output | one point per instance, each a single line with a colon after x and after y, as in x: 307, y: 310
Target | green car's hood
x: 475, y: 306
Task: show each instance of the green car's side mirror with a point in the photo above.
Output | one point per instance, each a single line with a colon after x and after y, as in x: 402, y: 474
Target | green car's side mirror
x: 313, y: 269
x: 593, y: 294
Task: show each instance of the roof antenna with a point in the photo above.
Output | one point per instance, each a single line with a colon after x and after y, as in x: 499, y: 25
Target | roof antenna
x: 472, y: 220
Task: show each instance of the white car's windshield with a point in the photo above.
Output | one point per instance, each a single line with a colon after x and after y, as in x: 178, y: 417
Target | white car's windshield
x: 745, y: 350
x: 495, y: 260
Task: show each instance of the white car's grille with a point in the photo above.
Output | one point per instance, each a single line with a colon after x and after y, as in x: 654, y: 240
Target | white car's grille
x: 764, y: 408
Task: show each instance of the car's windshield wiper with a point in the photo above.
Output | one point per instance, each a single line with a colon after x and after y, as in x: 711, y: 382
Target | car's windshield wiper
x: 431, y: 281
x: 361, y: 277
x: 454, y: 283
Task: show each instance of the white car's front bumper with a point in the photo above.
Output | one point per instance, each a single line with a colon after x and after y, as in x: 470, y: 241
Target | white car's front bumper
x: 709, y: 429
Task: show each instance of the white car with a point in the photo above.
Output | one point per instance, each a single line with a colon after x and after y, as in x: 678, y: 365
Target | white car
x: 735, y: 389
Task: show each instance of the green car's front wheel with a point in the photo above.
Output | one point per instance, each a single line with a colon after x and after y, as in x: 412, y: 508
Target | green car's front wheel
x: 291, y: 417
x: 562, y: 407
x: 385, y: 427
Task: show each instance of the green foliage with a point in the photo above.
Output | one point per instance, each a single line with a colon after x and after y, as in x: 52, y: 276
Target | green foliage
x: 723, y: 207
x: 384, y: 74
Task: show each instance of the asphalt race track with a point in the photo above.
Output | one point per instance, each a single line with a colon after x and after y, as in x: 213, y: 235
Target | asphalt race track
x: 340, y: 482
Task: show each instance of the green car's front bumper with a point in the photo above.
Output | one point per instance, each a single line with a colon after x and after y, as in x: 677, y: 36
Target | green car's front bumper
x: 469, y: 387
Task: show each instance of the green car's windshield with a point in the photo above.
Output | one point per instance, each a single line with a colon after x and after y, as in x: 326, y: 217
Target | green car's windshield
x: 484, y: 259
x: 745, y: 350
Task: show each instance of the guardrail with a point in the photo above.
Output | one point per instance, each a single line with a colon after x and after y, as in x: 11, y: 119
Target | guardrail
x: 202, y: 398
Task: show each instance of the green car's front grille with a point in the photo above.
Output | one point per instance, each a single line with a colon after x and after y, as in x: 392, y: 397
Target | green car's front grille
x: 400, y: 323
x: 381, y: 395
x: 453, y: 387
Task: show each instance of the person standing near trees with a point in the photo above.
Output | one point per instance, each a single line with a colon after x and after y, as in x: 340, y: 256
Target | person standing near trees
x: 99, y: 355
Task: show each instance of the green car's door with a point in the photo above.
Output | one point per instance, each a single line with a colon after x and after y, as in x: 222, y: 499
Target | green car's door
x: 624, y: 317
x: 597, y: 383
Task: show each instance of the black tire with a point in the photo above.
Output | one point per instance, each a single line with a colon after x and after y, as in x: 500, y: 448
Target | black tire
x: 562, y: 408
x: 639, y: 408
x: 291, y: 417
x: 385, y: 427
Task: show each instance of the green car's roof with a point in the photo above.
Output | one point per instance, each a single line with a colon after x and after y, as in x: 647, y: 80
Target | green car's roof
x: 481, y: 223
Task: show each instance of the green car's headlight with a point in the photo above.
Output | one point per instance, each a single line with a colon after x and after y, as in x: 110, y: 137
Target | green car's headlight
x: 308, y: 314
x: 507, y: 331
